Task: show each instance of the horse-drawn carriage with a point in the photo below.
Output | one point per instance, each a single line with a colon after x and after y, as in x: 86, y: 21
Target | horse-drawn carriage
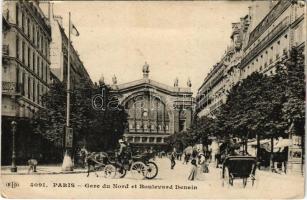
x: 140, y: 166
x: 111, y: 165
x: 239, y: 167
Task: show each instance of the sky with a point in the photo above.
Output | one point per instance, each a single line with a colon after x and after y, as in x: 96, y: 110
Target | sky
x: 176, y: 39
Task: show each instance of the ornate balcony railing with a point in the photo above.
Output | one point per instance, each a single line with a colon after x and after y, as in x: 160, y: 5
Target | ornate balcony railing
x: 12, y: 87
x: 203, y: 102
x: 5, y: 50
x: 268, y: 20
x: 279, y: 29
x: 216, y: 105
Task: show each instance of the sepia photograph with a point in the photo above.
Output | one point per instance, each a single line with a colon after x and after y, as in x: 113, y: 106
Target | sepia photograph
x: 153, y: 99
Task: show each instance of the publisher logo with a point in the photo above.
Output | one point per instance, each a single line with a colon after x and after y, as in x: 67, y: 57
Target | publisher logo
x: 12, y: 184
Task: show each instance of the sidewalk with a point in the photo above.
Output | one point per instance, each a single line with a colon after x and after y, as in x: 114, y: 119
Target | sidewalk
x: 43, y: 169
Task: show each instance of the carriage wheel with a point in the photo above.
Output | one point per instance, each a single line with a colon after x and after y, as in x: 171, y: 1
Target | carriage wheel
x: 228, y: 177
x: 109, y: 171
x: 151, y: 170
x: 99, y: 170
x: 138, y: 170
x: 244, y: 182
x: 122, y: 172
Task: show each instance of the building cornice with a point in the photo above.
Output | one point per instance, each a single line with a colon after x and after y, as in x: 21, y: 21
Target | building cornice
x: 152, y: 84
x: 265, y: 42
x: 267, y: 21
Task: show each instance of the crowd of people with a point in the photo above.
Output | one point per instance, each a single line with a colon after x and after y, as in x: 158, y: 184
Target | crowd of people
x: 198, y: 157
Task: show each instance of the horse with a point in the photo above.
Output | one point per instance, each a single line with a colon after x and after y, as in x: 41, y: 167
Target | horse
x: 221, y: 155
x: 281, y: 158
x: 94, y: 158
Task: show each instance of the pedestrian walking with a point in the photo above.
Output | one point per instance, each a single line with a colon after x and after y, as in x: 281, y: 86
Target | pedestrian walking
x: 32, y: 165
x: 201, y: 168
x: 193, y: 172
x: 180, y: 156
x: 204, y: 161
x: 186, y: 158
x: 173, y: 157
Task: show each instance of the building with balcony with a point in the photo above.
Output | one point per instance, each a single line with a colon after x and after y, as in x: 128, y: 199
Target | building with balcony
x: 225, y: 74
x: 155, y: 110
x: 25, y: 58
x: 26, y: 35
x: 265, y: 37
x: 258, y: 42
x: 278, y: 31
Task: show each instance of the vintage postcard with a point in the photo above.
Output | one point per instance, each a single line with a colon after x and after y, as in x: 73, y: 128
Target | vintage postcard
x: 153, y: 99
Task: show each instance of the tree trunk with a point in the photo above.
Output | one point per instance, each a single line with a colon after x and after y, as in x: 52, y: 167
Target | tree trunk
x: 246, y: 141
x: 303, y: 154
x: 272, y: 151
x: 258, y: 145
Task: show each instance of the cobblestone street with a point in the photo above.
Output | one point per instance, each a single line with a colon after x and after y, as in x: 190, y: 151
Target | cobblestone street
x: 267, y: 185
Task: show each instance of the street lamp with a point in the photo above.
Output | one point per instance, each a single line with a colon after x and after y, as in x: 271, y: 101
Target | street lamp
x: 13, y: 167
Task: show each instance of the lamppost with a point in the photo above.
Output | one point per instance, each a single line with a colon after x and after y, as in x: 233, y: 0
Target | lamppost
x: 13, y: 167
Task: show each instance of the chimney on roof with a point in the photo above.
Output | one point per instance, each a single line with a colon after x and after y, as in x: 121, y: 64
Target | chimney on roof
x: 59, y: 19
x: 271, y: 4
x: 250, y: 11
x: 36, y: 2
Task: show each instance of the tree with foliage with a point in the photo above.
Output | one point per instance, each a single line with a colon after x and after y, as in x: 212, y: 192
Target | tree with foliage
x: 50, y: 120
x: 290, y: 79
x: 98, y: 130
x: 259, y: 106
x: 199, y: 132
x: 252, y: 109
x: 109, y: 123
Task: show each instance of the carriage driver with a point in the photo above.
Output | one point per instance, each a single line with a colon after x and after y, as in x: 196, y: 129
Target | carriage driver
x: 122, y: 147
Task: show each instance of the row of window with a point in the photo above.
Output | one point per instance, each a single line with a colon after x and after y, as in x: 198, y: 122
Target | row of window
x: 147, y: 127
x: 32, y: 30
x: 268, y: 57
x: 31, y: 59
x: 144, y: 139
x: 30, y: 87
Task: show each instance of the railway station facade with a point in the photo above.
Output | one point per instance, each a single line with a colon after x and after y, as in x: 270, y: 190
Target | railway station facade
x: 155, y: 110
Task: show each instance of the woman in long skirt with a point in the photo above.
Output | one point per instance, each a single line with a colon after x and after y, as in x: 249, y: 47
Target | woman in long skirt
x: 201, y: 166
x: 193, y: 172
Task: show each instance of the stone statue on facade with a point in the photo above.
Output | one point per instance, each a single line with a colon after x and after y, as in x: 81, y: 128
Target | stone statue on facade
x: 145, y: 70
x: 189, y: 84
x: 176, y: 82
x: 114, y: 80
x: 101, y: 80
